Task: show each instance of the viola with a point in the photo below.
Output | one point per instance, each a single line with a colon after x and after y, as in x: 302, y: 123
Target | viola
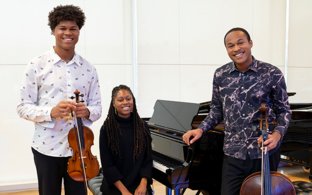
x: 266, y: 182
x: 83, y: 165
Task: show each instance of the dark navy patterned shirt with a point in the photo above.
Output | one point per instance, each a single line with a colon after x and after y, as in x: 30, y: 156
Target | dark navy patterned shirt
x: 236, y: 100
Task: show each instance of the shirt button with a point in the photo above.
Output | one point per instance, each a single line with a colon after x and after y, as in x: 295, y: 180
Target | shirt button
x: 243, y: 114
x: 242, y: 87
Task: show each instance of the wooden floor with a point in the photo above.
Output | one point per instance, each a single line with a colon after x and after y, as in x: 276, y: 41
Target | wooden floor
x: 294, y: 173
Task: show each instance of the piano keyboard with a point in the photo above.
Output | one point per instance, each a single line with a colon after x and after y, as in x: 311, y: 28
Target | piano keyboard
x: 160, y: 166
x: 163, y: 163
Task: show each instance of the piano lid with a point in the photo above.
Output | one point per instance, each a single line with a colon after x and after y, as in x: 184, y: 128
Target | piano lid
x: 174, y: 115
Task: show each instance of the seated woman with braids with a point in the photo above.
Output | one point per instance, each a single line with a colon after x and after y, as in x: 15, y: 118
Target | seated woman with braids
x: 125, y: 147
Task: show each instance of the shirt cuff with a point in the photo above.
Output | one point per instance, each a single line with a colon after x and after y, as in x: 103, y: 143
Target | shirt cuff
x: 280, y: 129
x: 94, y: 114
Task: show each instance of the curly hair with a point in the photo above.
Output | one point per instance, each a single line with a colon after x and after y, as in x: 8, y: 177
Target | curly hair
x: 66, y: 13
x: 141, y: 132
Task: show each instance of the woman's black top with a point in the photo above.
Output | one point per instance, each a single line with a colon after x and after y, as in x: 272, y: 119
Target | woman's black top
x: 124, y: 167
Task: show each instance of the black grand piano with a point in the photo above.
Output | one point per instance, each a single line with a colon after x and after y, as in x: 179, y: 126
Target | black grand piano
x: 296, y: 147
x: 177, y: 165
x: 199, y: 166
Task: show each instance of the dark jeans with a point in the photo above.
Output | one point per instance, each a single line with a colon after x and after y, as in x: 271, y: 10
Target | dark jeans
x: 51, y: 171
x: 234, y: 172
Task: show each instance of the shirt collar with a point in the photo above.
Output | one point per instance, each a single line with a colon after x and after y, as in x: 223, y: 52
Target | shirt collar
x: 253, y: 66
x: 54, y: 58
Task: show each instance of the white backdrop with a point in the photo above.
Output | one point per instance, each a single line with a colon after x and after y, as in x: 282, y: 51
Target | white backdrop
x: 179, y: 44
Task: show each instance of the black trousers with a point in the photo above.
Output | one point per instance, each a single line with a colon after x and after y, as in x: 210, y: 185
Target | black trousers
x: 51, y: 171
x: 234, y: 171
x: 112, y: 190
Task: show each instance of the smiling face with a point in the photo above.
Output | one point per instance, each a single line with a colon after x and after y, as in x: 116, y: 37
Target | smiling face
x: 66, y: 36
x: 123, y: 103
x: 239, y: 49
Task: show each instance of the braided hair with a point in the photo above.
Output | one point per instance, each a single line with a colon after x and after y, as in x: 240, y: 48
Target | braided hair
x: 112, y: 128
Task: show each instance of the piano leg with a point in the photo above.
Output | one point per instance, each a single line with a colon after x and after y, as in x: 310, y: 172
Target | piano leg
x: 310, y: 161
x: 168, y: 191
x: 176, y: 191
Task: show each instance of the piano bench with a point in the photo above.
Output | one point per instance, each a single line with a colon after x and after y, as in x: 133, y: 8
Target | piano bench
x: 95, y: 183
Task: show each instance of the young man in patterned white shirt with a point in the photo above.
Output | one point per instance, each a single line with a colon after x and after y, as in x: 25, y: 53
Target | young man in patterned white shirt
x: 49, y: 82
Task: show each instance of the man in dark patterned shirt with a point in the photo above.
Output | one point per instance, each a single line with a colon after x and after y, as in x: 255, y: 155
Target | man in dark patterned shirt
x: 239, y: 88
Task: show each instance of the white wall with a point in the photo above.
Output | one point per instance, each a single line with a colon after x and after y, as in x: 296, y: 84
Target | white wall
x: 300, y: 41
x: 180, y: 44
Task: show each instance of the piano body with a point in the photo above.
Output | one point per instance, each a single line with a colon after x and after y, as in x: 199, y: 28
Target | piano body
x: 297, y: 143
x: 177, y: 165
x: 296, y: 146
x: 199, y: 166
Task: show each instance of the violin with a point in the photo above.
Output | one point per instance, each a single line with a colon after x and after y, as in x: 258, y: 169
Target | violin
x: 266, y: 182
x: 82, y: 166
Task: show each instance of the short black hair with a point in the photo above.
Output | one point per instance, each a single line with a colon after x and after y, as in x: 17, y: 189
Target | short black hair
x: 66, y: 13
x: 237, y: 29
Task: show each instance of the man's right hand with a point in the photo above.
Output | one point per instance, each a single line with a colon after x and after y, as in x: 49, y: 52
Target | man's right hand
x: 192, y: 135
x: 63, y: 109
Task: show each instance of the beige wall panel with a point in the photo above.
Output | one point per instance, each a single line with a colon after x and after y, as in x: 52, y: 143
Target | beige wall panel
x: 191, y: 32
x: 196, y: 83
x: 299, y: 81
x: 268, y: 31
x: 300, y: 31
x: 157, y: 82
x: 158, y: 28
x: 107, y: 36
x: 203, y: 25
x: 16, y: 133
